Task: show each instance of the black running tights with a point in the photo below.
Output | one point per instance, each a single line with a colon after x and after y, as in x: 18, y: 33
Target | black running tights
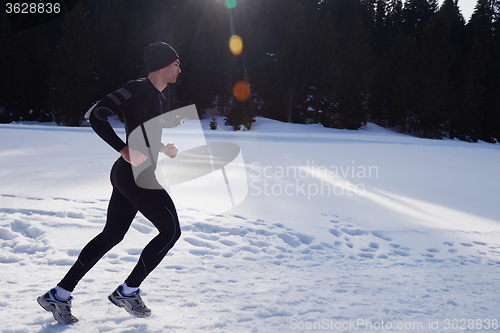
x: 127, y: 198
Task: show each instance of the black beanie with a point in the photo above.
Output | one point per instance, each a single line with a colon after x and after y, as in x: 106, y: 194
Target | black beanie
x: 159, y: 55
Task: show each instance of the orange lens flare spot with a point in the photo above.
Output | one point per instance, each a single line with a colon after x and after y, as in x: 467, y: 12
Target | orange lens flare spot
x: 236, y: 44
x: 241, y: 91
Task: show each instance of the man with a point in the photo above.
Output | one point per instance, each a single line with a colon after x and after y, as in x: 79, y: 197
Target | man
x: 138, y: 101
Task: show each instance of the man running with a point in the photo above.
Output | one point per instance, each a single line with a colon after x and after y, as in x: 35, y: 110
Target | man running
x: 138, y: 102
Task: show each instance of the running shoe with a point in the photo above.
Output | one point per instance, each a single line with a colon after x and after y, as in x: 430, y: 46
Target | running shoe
x: 60, y: 309
x: 133, y: 304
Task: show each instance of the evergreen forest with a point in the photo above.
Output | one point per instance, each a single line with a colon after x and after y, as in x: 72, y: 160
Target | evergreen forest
x: 413, y: 65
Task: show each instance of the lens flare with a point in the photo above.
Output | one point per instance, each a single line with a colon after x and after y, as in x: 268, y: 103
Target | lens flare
x: 230, y: 4
x: 236, y: 44
x: 241, y: 91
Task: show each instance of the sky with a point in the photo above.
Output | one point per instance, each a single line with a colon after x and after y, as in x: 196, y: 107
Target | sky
x: 467, y: 8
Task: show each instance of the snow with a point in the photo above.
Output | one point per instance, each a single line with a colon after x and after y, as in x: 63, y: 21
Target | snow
x: 341, y: 231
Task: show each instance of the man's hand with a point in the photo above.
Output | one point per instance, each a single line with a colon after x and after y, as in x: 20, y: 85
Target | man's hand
x: 170, y: 150
x: 132, y: 156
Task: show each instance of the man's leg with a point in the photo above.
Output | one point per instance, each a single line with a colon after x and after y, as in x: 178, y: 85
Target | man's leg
x: 157, y: 207
x: 120, y: 214
x: 160, y: 210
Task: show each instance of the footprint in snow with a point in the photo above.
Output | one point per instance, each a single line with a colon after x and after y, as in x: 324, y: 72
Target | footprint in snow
x: 134, y: 252
x: 75, y: 215
x: 400, y: 253
x: 6, y: 234
x: 366, y: 255
x: 199, y: 243
x: 209, y: 237
x: 203, y: 253
x: 335, y: 232
x: 175, y: 267
x: 354, y: 232
x: 381, y: 235
x: 227, y: 242
x: 25, y: 229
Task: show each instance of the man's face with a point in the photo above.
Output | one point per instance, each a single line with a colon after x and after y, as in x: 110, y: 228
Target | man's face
x: 170, y: 72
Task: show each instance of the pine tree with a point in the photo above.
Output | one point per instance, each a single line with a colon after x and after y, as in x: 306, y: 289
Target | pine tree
x: 381, y: 26
x: 289, y: 46
x: 395, y: 15
x: 357, y: 53
x: 402, y: 65
x: 388, y: 25
x: 23, y: 64
x: 474, y: 111
x: 439, y: 52
x: 416, y: 15
x: 112, y: 64
x: 198, y: 46
x: 456, y: 23
x: 344, y: 70
x: 73, y: 69
x: 213, y: 123
x: 495, y: 92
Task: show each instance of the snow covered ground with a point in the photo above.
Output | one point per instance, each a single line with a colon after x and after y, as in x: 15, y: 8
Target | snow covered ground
x: 341, y: 231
